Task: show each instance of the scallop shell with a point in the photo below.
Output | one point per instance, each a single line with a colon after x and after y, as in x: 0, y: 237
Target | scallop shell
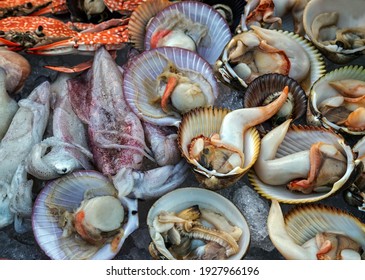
x: 139, y: 20
x: 303, y: 222
x: 350, y: 16
x: 140, y: 81
x: 227, y: 75
x: 322, y: 90
x: 67, y: 193
x: 206, y: 121
x: 300, y: 138
x: 183, y: 198
x: 262, y: 87
x: 218, y: 35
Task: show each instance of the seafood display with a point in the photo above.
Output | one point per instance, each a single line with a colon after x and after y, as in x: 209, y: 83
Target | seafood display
x: 190, y: 130
x: 197, y: 224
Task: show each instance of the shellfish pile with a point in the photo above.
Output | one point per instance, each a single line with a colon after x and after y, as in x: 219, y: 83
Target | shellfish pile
x: 139, y: 151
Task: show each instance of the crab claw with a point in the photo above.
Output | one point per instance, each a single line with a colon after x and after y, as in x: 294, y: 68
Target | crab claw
x: 12, y: 46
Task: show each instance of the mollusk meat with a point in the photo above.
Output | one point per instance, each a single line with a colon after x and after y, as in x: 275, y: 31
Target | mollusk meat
x: 220, y: 145
x: 337, y: 100
x: 313, y: 163
x: 267, y: 88
x: 316, y: 232
x: 191, y: 25
x: 198, y: 224
x: 336, y: 28
x: 163, y: 83
x: 261, y: 51
x: 79, y: 216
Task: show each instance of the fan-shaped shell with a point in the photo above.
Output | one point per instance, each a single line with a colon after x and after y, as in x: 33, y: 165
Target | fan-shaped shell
x: 225, y: 72
x: 206, y: 121
x: 140, y: 86
x: 321, y: 90
x: 297, y: 139
x: 350, y: 15
x: 265, y: 85
x: 183, y: 198
x: 67, y: 193
x: 218, y: 31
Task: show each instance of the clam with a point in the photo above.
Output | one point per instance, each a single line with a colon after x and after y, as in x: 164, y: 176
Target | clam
x: 266, y: 88
x: 79, y: 216
x: 140, y: 19
x: 337, y: 100
x: 222, y: 146
x: 261, y: 51
x: 162, y: 84
x: 336, y: 28
x: 194, y: 223
x: 303, y: 164
x: 314, y: 232
x: 191, y: 25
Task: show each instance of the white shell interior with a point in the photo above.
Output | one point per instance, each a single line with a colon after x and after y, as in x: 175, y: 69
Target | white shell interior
x: 183, y: 198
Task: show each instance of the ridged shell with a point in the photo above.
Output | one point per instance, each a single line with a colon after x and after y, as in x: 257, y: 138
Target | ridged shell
x: 67, y: 193
x: 139, y: 19
x: 351, y: 15
x: 225, y: 73
x: 302, y: 223
x: 206, y: 121
x: 183, y: 198
x: 260, y: 88
x: 299, y: 138
x: 218, y: 35
x: 140, y: 81
x: 322, y: 90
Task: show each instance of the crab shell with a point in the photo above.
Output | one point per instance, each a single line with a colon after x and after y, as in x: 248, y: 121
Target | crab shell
x: 139, y: 85
x: 300, y: 138
x: 303, y: 222
x: 212, y: 44
x: 264, y: 86
x: 349, y: 16
x: 67, y: 193
x: 206, y: 121
x: 321, y: 90
x: 225, y: 73
x: 183, y: 198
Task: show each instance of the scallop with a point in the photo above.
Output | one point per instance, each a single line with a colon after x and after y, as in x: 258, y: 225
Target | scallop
x: 191, y: 25
x: 80, y: 216
x: 260, y: 51
x: 162, y: 84
x: 336, y: 100
x: 314, y: 232
x: 336, y: 28
x: 218, y: 224
x: 266, y: 88
x: 302, y: 164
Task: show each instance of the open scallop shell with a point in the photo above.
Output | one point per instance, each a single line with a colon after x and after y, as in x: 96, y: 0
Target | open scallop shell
x: 140, y: 85
x: 350, y: 15
x: 140, y: 18
x: 264, y: 86
x: 183, y: 198
x: 300, y: 138
x: 218, y: 31
x: 321, y: 90
x: 67, y: 193
x: 225, y: 72
x: 303, y: 222
x: 206, y: 121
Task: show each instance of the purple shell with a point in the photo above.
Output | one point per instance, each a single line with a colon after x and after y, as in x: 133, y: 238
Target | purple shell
x: 140, y: 80
x: 68, y: 192
x: 218, y: 35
